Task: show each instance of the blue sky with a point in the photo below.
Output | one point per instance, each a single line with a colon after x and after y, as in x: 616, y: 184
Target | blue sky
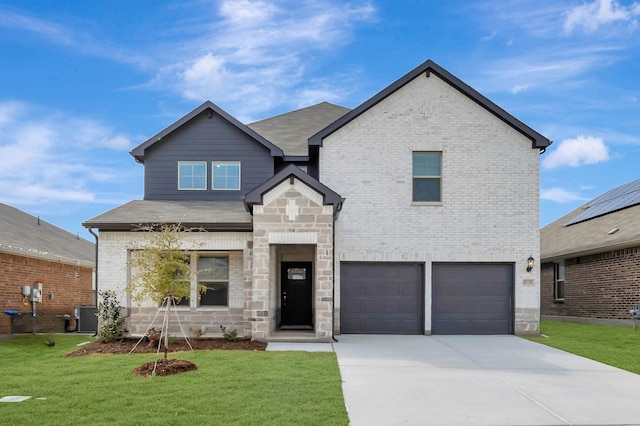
x: 82, y: 83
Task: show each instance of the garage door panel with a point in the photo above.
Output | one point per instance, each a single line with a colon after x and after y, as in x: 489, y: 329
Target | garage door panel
x: 381, y: 298
x: 472, y: 298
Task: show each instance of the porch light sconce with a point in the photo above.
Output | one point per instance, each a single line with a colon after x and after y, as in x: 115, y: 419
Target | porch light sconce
x: 530, y: 261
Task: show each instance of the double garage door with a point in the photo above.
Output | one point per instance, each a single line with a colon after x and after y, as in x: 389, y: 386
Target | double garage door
x: 388, y: 298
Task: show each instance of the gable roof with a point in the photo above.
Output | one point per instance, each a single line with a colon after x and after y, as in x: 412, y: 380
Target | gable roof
x: 139, y: 152
x: 292, y: 130
x: 329, y: 196
x: 209, y: 215
x: 565, y: 238
x: 428, y: 67
x: 25, y: 235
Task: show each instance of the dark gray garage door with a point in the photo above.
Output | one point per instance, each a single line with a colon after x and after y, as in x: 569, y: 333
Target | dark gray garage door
x: 381, y: 298
x: 472, y: 298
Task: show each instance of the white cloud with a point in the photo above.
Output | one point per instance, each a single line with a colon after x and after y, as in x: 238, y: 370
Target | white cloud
x: 591, y: 16
x: 48, y: 158
x: 576, y: 152
x: 538, y: 69
x: 560, y: 195
x: 259, y: 50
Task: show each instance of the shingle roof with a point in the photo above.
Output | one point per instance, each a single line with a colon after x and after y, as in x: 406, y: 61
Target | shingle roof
x: 292, y: 130
x: 595, y: 235
x: 210, y: 215
x: 26, y: 235
x: 426, y: 68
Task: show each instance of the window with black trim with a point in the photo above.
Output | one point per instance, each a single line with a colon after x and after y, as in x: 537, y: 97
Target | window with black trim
x: 427, y: 176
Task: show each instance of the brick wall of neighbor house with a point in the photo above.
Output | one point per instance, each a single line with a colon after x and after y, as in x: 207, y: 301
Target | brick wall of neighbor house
x: 68, y: 289
x: 114, y: 248
x: 490, y: 190
x: 291, y: 214
x: 604, y: 285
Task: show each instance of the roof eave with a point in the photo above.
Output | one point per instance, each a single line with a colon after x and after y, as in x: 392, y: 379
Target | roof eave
x: 586, y: 251
x: 537, y: 140
x: 226, y: 227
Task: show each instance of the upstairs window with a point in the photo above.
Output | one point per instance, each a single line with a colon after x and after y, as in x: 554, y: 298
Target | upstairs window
x: 558, y: 280
x: 226, y: 175
x: 192, y: 175
x: 427, y: 176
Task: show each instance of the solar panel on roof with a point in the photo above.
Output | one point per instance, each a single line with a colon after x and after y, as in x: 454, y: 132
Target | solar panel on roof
x: 619, y: 198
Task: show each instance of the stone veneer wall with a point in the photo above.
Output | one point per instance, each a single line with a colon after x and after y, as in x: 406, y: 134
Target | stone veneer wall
x: 604, y: 285
x: 291, y: 214
x: 490, y: 189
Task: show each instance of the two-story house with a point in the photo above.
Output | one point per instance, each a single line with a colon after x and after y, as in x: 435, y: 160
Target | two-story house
x: 415, y: 213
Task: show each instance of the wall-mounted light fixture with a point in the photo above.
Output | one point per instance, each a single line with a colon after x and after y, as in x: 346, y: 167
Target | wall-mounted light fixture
x: 530, y: 262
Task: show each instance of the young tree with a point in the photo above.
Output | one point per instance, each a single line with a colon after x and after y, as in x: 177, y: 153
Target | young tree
x: 161, y: 270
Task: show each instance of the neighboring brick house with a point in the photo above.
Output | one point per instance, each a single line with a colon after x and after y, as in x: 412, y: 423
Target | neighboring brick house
x: 591, y: 258
x: 414, y: 213
x: 33, y: 250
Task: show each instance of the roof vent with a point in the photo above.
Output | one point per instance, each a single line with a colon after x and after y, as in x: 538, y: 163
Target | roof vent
x: 613, y: 231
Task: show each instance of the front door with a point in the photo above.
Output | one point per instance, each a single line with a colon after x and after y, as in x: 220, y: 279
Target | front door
x: 296, y: 295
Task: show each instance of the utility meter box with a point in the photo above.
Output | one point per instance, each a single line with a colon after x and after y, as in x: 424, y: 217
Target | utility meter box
x: 36, y: 295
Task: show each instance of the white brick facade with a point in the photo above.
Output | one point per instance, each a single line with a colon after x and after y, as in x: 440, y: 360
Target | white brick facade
x: 490, y: 191
x: 114, y: 249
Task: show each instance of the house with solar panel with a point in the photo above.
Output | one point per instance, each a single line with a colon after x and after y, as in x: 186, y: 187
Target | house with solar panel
x: 591, y: 259
x: 404, y: 215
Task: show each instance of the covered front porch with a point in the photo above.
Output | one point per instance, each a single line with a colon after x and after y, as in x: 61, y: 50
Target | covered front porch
x: 291, y: 296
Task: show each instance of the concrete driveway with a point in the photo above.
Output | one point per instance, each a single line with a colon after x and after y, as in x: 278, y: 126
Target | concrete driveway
x: 479, y: 380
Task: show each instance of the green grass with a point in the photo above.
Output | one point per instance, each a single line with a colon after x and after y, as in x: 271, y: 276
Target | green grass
x: 613, y: 345
x: 229, y: 387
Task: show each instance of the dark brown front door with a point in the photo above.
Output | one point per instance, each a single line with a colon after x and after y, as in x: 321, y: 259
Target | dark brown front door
x: 296, y: 294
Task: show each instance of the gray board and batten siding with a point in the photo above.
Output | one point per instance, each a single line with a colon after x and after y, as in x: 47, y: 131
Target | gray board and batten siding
x: 207, y: 137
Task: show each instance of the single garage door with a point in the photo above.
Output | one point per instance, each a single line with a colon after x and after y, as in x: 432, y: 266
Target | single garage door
x: 472, y: 298
x: 381, y: 298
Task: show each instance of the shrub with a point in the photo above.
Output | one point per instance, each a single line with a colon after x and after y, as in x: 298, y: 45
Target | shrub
x: 110, y: 317
x: 231, y: 335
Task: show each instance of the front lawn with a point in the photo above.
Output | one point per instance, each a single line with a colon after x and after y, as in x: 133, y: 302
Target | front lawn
x: 229, y: 387
x: 614, y: 345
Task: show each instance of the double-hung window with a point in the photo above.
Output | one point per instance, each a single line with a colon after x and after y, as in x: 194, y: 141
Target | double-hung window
x: 427, y: 176
x: 226, y: 175
x: 192, y: 175
x: 213, y: 274
x: 558, y: 280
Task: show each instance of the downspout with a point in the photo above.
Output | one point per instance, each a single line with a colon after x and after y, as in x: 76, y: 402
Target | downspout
x: 333, y: 284
x: 333, y: 281
x: 96, y: 237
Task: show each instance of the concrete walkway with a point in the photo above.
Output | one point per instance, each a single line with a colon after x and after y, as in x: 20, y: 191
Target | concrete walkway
x: 479, y: 380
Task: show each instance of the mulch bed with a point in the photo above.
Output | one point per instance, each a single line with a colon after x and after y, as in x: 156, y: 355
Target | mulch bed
x: 164, y: 368
x: 124, y: 346
x: 170, y: 366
